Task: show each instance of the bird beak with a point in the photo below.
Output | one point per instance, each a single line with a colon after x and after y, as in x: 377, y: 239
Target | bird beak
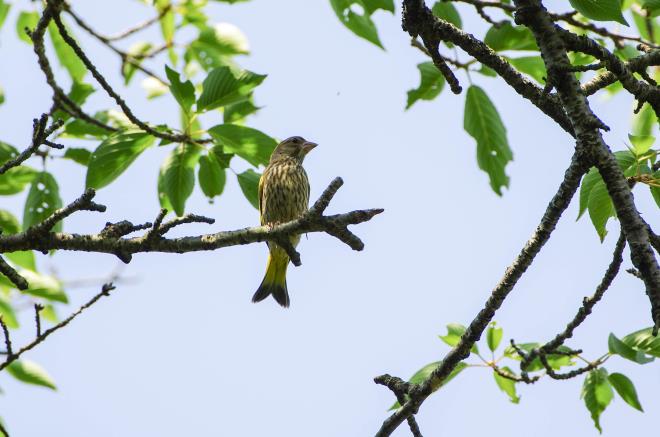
x: 308, y: 146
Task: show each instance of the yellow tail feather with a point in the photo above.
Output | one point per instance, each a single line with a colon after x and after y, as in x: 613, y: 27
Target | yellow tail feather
x: 274, y: 281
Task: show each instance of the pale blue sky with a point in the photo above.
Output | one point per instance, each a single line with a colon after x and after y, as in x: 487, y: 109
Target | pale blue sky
x: 185, y: 352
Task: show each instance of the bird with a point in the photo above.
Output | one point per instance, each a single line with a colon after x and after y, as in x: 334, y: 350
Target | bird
x: 283, y: 196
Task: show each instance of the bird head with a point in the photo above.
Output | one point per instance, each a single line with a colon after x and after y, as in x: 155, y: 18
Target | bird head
x: 292, y: 147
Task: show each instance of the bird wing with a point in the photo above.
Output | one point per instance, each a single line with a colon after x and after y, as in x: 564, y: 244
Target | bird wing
x: 261, y: 198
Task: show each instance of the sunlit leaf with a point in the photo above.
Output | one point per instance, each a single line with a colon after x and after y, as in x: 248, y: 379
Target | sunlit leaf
x: 114, y: 155
x: 626, y: 389
x: 431, y: 84
x: 31, y: 373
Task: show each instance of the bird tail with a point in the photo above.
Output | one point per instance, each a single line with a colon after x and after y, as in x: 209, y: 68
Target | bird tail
x: 274, y: 281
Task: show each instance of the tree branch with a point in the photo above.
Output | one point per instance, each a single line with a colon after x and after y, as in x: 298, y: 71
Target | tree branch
x: 11, y: 357
x: 418, y: 20
x: 40, y: 133
x: 107, y: 241
x: 591, y: 144
x: 555, y: 209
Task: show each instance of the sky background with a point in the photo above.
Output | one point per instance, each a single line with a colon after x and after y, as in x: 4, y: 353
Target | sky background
x: 181, y: 350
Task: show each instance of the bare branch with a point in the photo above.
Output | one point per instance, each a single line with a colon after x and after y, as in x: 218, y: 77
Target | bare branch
x: 105, y: 291
x: 40, y: 133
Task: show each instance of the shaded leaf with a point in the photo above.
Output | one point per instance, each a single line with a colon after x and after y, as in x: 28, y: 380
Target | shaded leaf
x: 483, y: 123
x: 493, y: 336
x: 508, y: 386
x: 183, y: 92
x: 79, y: 155
x: 454, y: 333
x: 626, y: 389
x: 431, y: 84
x: 43, y: 199
x: 447, y: 12
x: 250, y: 144
x: 422, y: 375
x: 179, y: 175
x: 223, y: 87
x: 531, y: 65
x: 597, y: 394
x: 249, y: 183
x: 355, y: 15
x: 26, y: 20
x: 508, y: 37
x: 16, y: 179
x: 114, y: 155
x: 65, y: 54
x: 78, y: 94
x: 211, y: 175
x: 600, y: 10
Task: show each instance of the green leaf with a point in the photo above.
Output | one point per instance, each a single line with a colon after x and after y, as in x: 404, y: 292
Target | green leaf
x: 223, y: 39
x: 422, y: 375
x: 183, y: 92
x: 179, y: 175
x: 652, y: 6
x: 31, y: 373
x: 626, y: 389
x: 483, y: 123
x: 136, y: 53
x: 600, y: 10
x: 250, y: 144
x: 508, y: 37
x: 588, y: 182
x: 167, y: 23
x: 114, y: 155
x: 7, y: 152
x: 26, y: 20
x: 7, y: 313
x: 494, y: 336
x: 655, y: 191
x: 508, y: 386
x: 447, y: 12
x: 16, y: 179
x: 431, y: 84
x: 223, y: 87
x: 237, y: 112
x: 597, y: 394
x: 65, y: 54
x: 620, y: 348
x: 43, y: 199
x: 531, y: 65
x: 79, y: 155
x: 600, y: 208
x: 44, y: 286
x: 10, y: 225
x: 641, y: 143
x: 644, y: 121
x: 2, y: 95
x: 211, y: 175
x: 4, y: 10
x: 249, y: 183
x: 162, y: 196
x: 356, y: 17
x: 556, y: 361
x: 454, y: 333
x: 643, y: 340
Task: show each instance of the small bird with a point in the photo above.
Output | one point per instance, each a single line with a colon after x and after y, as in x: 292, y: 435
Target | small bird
x: 283, y: 196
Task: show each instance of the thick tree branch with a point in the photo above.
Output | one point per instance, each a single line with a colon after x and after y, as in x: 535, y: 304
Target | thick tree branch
x: 590, y: 142
x: 635, y: 65
x: 418, y: 20
x: 556, y: 207
x: 109, y: 240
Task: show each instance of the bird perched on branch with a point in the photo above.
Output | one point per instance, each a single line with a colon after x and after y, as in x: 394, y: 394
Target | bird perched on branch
x: 283, y: 196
